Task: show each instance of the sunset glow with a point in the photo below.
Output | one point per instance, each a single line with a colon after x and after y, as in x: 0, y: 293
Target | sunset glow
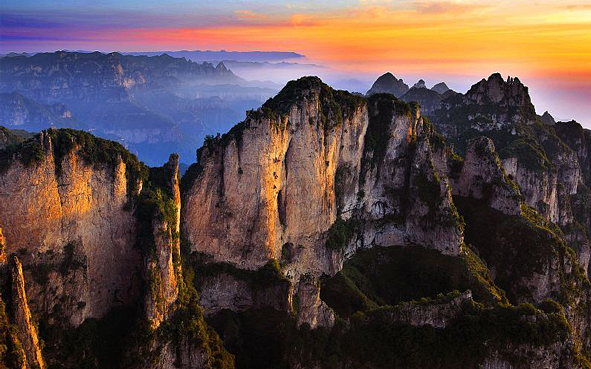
x: 546, y: 43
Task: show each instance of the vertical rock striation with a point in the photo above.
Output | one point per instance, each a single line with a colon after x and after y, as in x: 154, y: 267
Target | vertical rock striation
x: 163, y: 265
x: 66, y: 217
x: 21, y: 316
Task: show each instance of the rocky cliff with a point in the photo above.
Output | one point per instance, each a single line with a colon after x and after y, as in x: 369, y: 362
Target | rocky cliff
x: 98, y: 235
x: 547, y: 163
x: 313, y: 175
x: 326, y: 230
x: 65, y: 216
x: 382, y: 176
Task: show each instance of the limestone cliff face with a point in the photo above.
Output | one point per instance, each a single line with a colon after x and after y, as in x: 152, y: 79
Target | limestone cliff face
x: 548, y: 162
x: 21, y: 316
x: 310, y: 308
x: 483, y: 177
x: 579, y: 140
x: 406, y: 199
x: 67, y: 220
x: 270, y: 183
x: 163, y: 266
x: 3, y: 258
x: 276, y: 185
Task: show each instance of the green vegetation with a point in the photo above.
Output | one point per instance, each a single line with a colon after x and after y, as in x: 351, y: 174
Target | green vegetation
x: 266, y: 338
x: 529, y: 153
x: 28, y: 152
x: 374, y: 338
x: 69, y: 261
x: 93, y: 150
x: 429, y: 189
x: 518, y: 247
x: 390, y: 275
x: 268, y: 275
x: 383, y: 108
x: 188, y: 326
x: 341, y: 233
x: 96, y: 344
x: 335, y: 105
x: 457, y: 163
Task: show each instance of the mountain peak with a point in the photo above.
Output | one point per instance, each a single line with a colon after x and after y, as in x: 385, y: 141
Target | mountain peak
x: 440, y: 88
x: 420, y: 84
x: 496, y: 90
x: 548, y: 118
x: 308, y: 87
x: 388, y: 83
x: 221, y: 67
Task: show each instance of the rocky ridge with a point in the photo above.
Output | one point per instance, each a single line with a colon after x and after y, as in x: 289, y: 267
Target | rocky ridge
x: 334, y: 230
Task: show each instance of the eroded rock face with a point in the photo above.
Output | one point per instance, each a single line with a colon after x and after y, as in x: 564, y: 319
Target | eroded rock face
x: 69, y: 223
x: 227, y: 291
x: 21, y: 316
x: 184, y: 355
x: 434, y: 315
x: 273, y: 187
x: 272, y: 184
x: 163, y: 267
x: 311, y: 309
x: 483, y: 177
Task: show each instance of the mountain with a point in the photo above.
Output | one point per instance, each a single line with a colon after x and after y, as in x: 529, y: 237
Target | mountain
x: 155, y: 105
x: 440, y: 88
x: 325, y: 230
x: 420, y: 84
x: 387, y: 83
x: 18, y: 111
x: 64, y: 76
x: 239, y: 56
x: 12, y: 136
x: 429, y: 100
x: 547, y: 118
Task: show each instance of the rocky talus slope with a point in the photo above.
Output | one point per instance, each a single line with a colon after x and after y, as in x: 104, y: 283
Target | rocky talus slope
x: 326, y: 230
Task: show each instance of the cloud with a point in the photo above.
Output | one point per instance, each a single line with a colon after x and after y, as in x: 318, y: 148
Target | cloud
x: 249, y: 14
x: 441, y: 7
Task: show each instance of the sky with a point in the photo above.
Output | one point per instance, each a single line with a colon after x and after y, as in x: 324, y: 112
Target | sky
x: 546, y: 43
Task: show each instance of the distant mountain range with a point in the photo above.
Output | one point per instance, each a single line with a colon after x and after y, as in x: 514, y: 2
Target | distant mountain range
x: 209, y: 55
x: 152, y: 104
x: 428, y: 99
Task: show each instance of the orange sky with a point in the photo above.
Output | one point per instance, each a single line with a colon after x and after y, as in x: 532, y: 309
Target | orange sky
x: 545, y: 42
x: 456, y: 37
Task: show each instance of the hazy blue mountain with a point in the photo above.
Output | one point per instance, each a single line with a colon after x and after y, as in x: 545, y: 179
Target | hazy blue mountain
x: 209, y: 55
x: 153, y: 105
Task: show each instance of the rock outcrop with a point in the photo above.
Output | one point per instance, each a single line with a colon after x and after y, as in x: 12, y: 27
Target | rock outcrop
x: 297, y: 175
x: 483, y: 177
x: 389, y: 84
x: 21, y: 316
x: 311, y: 309
x: 99, y: 236
x: 428, y: 100
x: 67, y: 220
x: 440, y: 88
x: 420, y: 84
x: 547, y: 118
x: 163, y: 260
